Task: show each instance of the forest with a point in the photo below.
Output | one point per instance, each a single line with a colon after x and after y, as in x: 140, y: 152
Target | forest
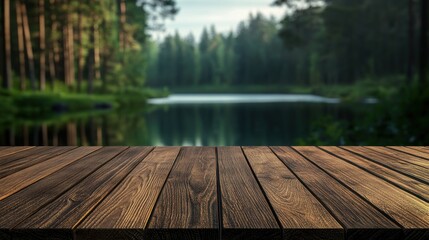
x: 332, y: 43
x: 54, y: 47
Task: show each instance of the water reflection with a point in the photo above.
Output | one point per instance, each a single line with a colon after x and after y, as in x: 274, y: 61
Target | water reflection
x: 180, y: 124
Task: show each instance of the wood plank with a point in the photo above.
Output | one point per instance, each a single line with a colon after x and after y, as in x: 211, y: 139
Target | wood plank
x: 407, y: 183
x: 26, y: 202
x: 245, y: 212
x: 408, y: 210
x: 22, y: 163
x: 188, y: 200
x: 18, y: 155
x: 414, y: 171
x: 421, y: 149
x: 127, y: 209
x: 360, y: 219
x: 19, y: 180
x: 411, y: 151
x: 301, y: 215
x: 67, y: 211
x: 4, y: 151
x: 401, y: 156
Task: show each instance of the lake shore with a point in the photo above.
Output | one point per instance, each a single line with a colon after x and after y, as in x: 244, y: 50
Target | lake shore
x: 39, y: 105
x: 357, y: 92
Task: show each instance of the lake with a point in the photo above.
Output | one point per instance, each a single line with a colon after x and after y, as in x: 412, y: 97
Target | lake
x: 188, y: 119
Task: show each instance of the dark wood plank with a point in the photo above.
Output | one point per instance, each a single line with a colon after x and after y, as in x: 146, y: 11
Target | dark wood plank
x: 21, y: 154
x: 67, y: 211
x: 410, y: 151
x: 129, y: 206
x: 4, y: 151
x: 244, y: 207
x: 407, y: 183
x: 22, y: 163
x: 360, y: 219
x: 26, y: 202
x: 301, y: 215
x: 400, y: 156
x: 408, y: 210
x: 417, y: 172
x: 189, y: 197
x: 27, y: 176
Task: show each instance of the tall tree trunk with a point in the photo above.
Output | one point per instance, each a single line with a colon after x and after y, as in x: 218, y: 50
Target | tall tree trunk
x: 410, y: 69
x: 28, y: 46
x: 97, y: 52
x: 54, y: 51
x: 7, y: 75
x: 122, y: 20
x: 91, y: 61
x: 424, y: 42
x: 66, y: 55
x: 20, y: 44
x: 42, y: 39
x: 80, y: 64
x: 70, y: 41
x: 50, y: 45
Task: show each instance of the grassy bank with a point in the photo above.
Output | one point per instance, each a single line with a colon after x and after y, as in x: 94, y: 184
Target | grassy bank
x: 38, y: 104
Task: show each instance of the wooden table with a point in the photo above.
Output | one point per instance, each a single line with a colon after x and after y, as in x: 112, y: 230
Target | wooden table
x: 214, y: 193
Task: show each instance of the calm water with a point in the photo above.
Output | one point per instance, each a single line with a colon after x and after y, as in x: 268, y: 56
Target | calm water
x: 188, y: 119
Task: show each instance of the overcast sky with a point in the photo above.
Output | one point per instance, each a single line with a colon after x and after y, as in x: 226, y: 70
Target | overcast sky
x: 224, y: 14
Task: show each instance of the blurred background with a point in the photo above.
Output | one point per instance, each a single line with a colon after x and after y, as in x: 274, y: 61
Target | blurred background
x: 214, y: 72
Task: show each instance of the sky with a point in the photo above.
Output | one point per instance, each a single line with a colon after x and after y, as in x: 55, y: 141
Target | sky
x: 224, y: 14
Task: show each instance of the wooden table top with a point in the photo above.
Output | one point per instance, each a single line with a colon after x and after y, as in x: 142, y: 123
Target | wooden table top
x: 214, y: 192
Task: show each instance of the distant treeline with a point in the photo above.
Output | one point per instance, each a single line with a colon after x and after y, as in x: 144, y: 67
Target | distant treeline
x: 336, y: 42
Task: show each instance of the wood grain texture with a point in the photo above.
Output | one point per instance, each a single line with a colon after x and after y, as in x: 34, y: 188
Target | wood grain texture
x: 129, y: 206
x: 299, y: 212
x: 405, y: 208
x: 404, y: 167
x: 401, y: 156
x: 189, y: 197
x: 21, y: 154
x: 243, y: 204
x: 27, y: 176
x: 214, y: 193
x: 71, y: 207
x: 420, y: 149
x: 361, y: 220
x: 4, y: 151
x: 410, y: 151
x: 14, y: 166
x: 26, y: 202
x: 407, y: 183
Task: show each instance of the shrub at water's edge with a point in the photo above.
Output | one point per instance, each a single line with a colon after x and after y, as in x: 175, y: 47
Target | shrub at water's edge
x: 401, y: 119
x: 33, y: 104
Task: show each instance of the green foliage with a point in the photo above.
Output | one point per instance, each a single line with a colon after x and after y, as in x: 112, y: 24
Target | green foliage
x: 97, y: 29
x: 30, y: 103
x: 402, y: 119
